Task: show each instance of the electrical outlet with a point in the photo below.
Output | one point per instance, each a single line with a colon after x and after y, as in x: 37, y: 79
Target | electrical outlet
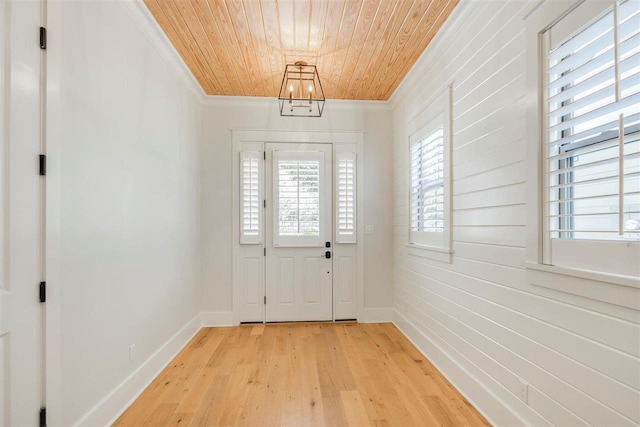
x: 370, y: 229
x: 132, y: 352
x: 524, y: 392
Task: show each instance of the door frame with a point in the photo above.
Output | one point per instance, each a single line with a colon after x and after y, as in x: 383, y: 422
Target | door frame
x: 239, y: 137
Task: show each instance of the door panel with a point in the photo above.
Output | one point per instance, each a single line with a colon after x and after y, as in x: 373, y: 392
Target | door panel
x: 285, y: 280
x: 21, y: 216
x: 299, y: 277
x: 252, y: 280
x: 312, y: 271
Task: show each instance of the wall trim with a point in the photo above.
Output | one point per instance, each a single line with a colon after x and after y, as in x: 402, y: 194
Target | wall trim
x: 217, y: 318
x: 469, y: 385
x: 272, y: 102
x: 376, y: 315
x: 121, y: 397
x: 150, y: 28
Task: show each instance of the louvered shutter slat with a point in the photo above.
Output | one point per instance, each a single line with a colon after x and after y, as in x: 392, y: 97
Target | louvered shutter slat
x: 345, y: 176
x: 593, y: 159
x: 250, y: 198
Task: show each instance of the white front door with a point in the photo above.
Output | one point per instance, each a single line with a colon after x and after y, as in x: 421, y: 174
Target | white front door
x: 299, y: 267
x: 21, y: 217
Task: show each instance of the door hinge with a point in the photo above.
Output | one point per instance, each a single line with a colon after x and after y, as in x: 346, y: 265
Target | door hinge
x: 43, y: 417
x: 43, y: 165
x: 43, y: 291
x: 264, y: 155
x: 265, y: 251
x: 265, y: 299
x: 264, y: 204
x: 43, y: 38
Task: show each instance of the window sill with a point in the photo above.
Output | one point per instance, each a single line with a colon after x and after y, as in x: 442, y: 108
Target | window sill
x: 430, y: 252
x: 617, y: 279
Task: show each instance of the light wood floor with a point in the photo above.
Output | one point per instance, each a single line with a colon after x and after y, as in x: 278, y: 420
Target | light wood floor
x: 301, y: 374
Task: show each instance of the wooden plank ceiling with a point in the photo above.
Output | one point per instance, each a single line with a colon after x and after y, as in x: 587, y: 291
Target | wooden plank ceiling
x: 363, y: 48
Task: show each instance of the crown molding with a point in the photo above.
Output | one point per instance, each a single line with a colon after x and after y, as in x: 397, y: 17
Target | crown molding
x: 161, y: 43
x: 260, y: 101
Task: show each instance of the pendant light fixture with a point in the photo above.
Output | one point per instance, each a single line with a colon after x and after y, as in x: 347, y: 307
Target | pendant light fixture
x: 301, y: 93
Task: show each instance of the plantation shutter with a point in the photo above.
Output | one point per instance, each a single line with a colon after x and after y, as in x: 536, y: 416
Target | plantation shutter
x: 427, y: 187
x: 592, y: 174
x: 298, y: 196
x: 251, y: 197
x: 345, y: 176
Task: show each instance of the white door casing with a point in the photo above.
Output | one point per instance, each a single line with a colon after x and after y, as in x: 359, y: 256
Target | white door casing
x: 347, y: 254
x: 299, y: 276
x: 21, y: 215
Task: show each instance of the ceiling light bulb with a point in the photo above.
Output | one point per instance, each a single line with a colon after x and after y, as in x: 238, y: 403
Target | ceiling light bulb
x: 291, y: 88
x: 310, y: 88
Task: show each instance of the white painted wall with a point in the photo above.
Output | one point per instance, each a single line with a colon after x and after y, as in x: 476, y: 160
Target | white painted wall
x: 129, y: 183
x: 225, y: 114
x: 480, y: 319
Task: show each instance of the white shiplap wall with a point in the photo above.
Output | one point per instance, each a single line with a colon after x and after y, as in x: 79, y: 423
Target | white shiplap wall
x: 479, y: 318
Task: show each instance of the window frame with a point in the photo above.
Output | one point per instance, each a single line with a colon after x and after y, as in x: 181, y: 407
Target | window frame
x: 437, y: 114
x: 298, y: 240
x: 573, y: 257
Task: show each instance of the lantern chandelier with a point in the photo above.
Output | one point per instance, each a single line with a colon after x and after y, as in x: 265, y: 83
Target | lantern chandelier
x: 301, y: 93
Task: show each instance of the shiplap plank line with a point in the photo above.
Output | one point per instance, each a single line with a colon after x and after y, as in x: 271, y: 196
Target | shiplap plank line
x: 482, y: 36
x: 496, y: 139
x: 491, y: 216
x: 526, y: 357
x: 492, y: 160
x: 511, y: 174
x: 616, y: 302
x: 498, y: 284
x: 579, y: 353
x: 549, y: 337
x: 489, y: 376
x: 502, y: 196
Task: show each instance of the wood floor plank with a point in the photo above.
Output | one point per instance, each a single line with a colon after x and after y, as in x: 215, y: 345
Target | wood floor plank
x: 301, y: 374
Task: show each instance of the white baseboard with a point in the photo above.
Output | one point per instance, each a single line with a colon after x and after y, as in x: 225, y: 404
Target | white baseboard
x: 467, y: 381
x: 121, y: 397
x: 376, y: 315
x: 217, y: 318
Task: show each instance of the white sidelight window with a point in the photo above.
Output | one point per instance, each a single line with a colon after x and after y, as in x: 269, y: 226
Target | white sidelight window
x: 429, y: 189
x: 298, y: 196
x: 591, y: 170
x: 251, y: 197
x: 345, y: 198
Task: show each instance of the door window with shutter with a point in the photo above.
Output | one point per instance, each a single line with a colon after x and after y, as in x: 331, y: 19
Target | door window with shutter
x: 592, y: 166
x: 298, y: 198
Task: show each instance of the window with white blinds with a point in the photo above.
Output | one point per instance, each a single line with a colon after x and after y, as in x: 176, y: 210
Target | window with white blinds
x: 251, y: 197
x: 345, y: 183
x: 427, y: 183
x: 298, y: 195
x: 592, y: 170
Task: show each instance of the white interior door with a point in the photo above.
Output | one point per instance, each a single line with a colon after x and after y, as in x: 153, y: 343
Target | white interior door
x: 21, y: 269
x: 299, y: 267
